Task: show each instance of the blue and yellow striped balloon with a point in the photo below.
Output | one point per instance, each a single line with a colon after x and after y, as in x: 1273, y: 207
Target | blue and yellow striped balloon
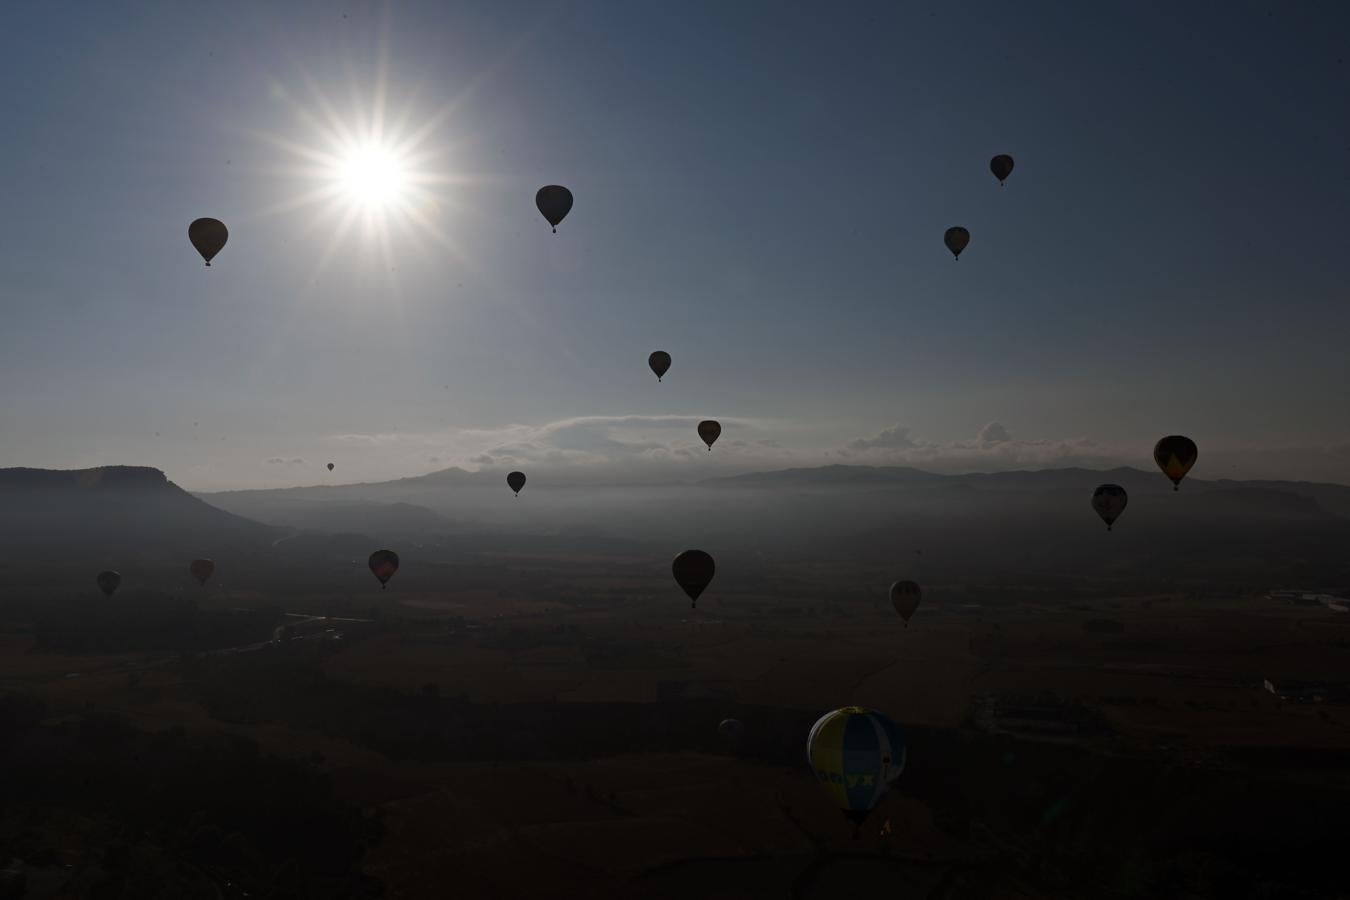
x: 856, y: 755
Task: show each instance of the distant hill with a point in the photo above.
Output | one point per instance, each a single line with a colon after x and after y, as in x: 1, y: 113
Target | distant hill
x: 115, y: 514
x: 1267, y: 494
x: 830, y: 475
x: 1248, y: 534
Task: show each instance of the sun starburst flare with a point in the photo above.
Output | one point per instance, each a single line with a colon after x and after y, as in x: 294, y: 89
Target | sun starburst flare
x: 370, y: 180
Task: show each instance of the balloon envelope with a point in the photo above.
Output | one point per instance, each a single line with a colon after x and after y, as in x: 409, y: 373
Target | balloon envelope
x: 693, y: 571
x: 208, y: 236
x: 732, y: 731
x: 516, y: 481
x: 905, y: 596
x: 108, y: 582
x: 709, y: 430
x: 383, y: 563
x: 554, y: 202
x: 659, y: 362
x: 956, y: 240
x: 1001, y: 166
x: 1175, y: 454
x: 1109, y: 501
x: 201, y: 570
x: 856, y: 754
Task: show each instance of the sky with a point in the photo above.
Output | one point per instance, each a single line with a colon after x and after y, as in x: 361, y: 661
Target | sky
x: 761, y: 190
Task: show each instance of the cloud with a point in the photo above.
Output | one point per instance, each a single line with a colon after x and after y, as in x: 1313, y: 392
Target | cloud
x: 992, y: 449
x: 992, y: 434
x: 284, y: 461
x: 624, y: 444
x: 895, y: 436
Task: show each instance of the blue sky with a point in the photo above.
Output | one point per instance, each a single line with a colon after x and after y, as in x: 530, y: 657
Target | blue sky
x: 761, y: 189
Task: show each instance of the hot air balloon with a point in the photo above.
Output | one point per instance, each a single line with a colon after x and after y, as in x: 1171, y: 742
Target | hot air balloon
x: 905, y: 596
x: 693, y: 571
x: 108, y: 582
x: 956, y: 240
x: 330, y: 467
x: 710, y: 430
x: 1001, y: 166
x: 1109, y: 501
x: 856, y: 754
x: 201, y: 570
x: 732, y: 731
x: 659, y: 362
x: 208, y: 236
x: 554, y: 202
x: 516, y: 481
x: 384, y: 563
x: 1175, y: 455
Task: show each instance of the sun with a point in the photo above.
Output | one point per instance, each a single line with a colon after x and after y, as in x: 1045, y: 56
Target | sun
x: 372, y: 177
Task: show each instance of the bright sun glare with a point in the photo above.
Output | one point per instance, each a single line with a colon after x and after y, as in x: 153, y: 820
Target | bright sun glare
x: 368, y: 174
x: 372, y: 177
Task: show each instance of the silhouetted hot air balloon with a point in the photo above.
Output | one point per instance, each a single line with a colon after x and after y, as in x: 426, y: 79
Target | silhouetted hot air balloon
x: 1109, y: 501
x: 660, y: 363
x: 905, y: 596
x: 516, y: 481
x: 693, y: 571
x: 956, y: 240
x: 710, y: 430
x: 208, y: 236
x: 201, y: 570
x: 330, y: 467
x: 1001, y: 166
x: 1175, y: 455
x: 554, y: 202
x: 108, y: 582
x: 733, y: 732
x: 857, y: 755
x: 384, y: 563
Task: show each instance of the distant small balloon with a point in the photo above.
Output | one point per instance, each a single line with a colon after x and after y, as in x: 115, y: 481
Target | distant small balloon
x: 208, y: 236
x: 733, y: 732
x: 330, y: 467
x: 108, y: 582
x: 956, y: 240
x: 1175, y: 454
x: 554, y: 202
x: 659, y: 362
x: 905, y: 596
x: 383, y: 563
x: 1001, y: 166
x: 201, y: 570
x: 709, y: 430
x: 516, y: 481
x: 693, y: 571
x: 1109, y: 501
